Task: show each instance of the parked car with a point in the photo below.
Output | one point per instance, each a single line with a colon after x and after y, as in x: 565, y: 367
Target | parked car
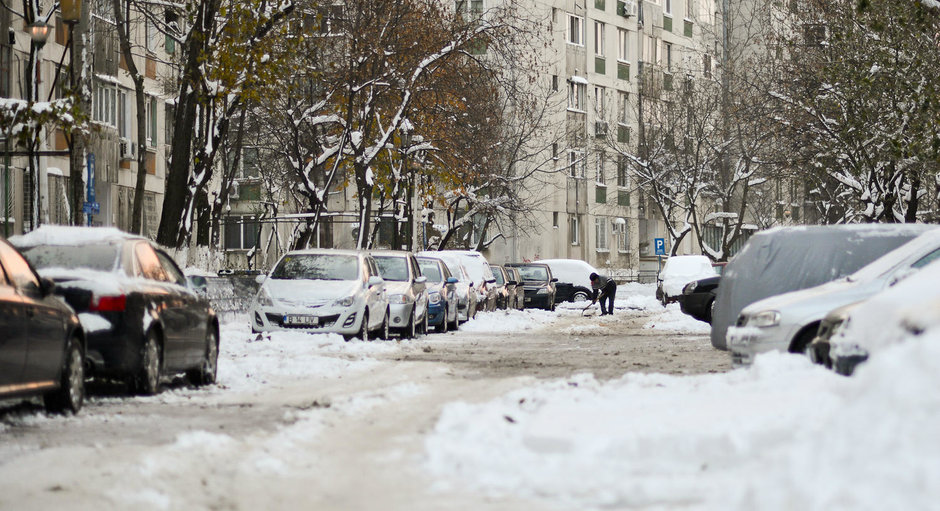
x: 779, y: 260
x: 818, y: 350
x: 574, y: 279
x: 42, y: 344
x: 539, y: 285
x: 677, y: 272
x: 788, y: 322
x: 698, y: 297
x: 142, y: 318
x: 442, y: 294
x: 907, y: 311
x: 406, y: 289
x: 323, y: 290
x: 502, y: 286
x: 516, y: 289
x: 467, y: 294
x: 479, y: 270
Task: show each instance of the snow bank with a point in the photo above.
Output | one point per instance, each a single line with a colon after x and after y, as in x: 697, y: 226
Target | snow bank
x: 672, y: 319
x: 783, y: 434
x: 505, y: 321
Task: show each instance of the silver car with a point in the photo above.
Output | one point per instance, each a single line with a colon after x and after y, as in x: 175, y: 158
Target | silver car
x: 789, y: 322
x: 323, y: 290
x: 467, y: 294
x: 406, y: 289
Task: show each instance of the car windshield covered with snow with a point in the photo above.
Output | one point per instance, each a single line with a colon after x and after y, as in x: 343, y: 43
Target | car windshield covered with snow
x: 393, y: 268
x: 429, y: 269
x: 317, y: 267
x: 96, y: 256
x: 534, y: 273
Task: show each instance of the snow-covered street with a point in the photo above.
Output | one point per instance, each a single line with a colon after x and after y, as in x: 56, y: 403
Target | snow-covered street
x: 517, y: 410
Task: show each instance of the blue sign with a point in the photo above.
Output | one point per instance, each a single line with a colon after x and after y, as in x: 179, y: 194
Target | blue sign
x: 660, y: 245
x: 91, y: 208
x: 91, y: 178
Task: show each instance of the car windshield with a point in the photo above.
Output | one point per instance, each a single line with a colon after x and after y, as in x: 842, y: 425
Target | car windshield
x: 431, y: 270
x: 393, y: 268
x: 499, y: 276
x: 317, y: 267
x: 534, y: 273
x: 98, y: 256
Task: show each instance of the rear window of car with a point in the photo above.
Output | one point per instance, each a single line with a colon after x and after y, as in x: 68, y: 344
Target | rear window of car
x: 317, y: 267
x: 499, y: 276
x: 392, y: 268
x: 97, y: 256
x: 431, y: 270
x: 533, y: 273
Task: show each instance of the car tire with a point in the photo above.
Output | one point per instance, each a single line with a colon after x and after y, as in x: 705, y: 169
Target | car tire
x: 70, y: 395
x: 206, y: 373
x: 708, y: 310
x: 442, y: 328
x: 147, y: 381
x: 364, y: 328
x: 425, y: 327
x: 410, y: 330
x: 383, y: 330
x: 580, y: 296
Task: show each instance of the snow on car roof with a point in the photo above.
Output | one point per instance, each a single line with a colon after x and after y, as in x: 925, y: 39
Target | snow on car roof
x: 69, y: 235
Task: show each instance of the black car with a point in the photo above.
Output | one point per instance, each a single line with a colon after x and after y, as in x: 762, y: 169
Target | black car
x: 538, y: 283
x: 42, y: 344
x: 142, y: 319
x: 698, y: 297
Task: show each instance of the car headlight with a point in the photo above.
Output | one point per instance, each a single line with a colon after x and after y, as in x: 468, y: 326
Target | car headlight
x: 764, y: 319
x: 398, y: 299
x: 542, y: 291
x: 346, y: 302
x: 434, y: 297
x: 689, y: 288
x: 263, y: 298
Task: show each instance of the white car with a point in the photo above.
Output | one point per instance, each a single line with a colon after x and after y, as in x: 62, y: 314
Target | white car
x: 790, y: 321
x: 323, y: 290
x: 406, y: 289
x: 677, y: 272
x: 574, y: 279
x: 481, y: 276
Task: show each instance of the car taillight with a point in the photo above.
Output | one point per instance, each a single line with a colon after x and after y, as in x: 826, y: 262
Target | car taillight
x: 108, y: 303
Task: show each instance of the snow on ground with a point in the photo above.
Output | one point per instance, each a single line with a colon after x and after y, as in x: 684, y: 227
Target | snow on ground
x: 672, y: 319
x: 507, y: 321
x: 784, y: 434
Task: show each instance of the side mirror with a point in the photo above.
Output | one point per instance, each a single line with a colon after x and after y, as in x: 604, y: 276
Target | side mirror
x: 197, y: 283
x: 512, y: 283
x: 421, y: 280
x: 261, y: 278
x: 490, y: 281
x: 451, y: 280
x: 375, y: 280
x: 46, y: 286
x: 554, y: 280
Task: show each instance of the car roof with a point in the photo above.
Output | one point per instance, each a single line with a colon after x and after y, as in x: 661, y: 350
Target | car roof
x: 328, y: 251
x: 69, y: 235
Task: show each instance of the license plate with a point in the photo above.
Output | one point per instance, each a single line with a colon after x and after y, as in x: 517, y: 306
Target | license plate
x: 528, y: 299
x: 301, y: 320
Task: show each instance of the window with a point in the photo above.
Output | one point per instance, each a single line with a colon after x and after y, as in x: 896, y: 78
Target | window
x: 475, y: 7
x: 148, y: 264
x: 153, y: 36
x: 555, y: 219
x: 104, y: 105
x: 689, y: 9
x: 620, y: 234
x: 575, y: 163
x: 927, y: 259
x: 17, y: 269
x: 331, y: 17
x: 248, y: 165
x: 599, y: 101
x: 599, y: 176
x: 623, y: 45
x: 104, y: 10
x: 554, y: 151
x: 171, y: 270
x: 667, y: 7
x: 576, y: 90
x: 242, y: 232
x: 573, y: 228
x: 623, y: 180
x: 600, y: 234
x: 707, y: 65
x: 124, y: 115
x: 575, y: 30
x: 668, y: 48
x: 6, y: 70
x: 599, y: 38
x: 151, y: 121
x: 555, y: 83
x: 623, y: 104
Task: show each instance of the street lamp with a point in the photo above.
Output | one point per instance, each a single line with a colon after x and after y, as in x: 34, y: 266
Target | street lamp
x: 38, y: 33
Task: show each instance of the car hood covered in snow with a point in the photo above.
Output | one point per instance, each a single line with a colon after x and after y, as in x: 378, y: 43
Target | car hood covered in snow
x: 310, y: 292
x: 680, y: 270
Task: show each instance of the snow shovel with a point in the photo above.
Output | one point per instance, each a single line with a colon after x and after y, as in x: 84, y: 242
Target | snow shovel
x: 585, y: 309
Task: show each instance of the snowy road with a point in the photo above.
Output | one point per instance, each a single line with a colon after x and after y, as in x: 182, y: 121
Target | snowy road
x: 502, y: 415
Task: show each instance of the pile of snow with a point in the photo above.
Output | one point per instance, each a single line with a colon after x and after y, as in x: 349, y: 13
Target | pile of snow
x: 680, y: 270
x: 506, y: 321
x: 784, y: 434
x: 672, y: 319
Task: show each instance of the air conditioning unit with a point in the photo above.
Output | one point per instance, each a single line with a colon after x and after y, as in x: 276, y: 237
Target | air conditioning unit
x: 627, y: 8
x: 128, y: 149
x: 600, y: 128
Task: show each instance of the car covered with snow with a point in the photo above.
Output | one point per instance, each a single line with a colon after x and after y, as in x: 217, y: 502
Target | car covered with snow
x: 142, y: 319
x: 480, y: 273
x: 900, y: 313
x: 406, y: 289
x: 789, y: 322
x: 574, y: 279
x: 42, y: 344
x: 678, y: 271
x: 783, y: 259
x: 323, y: 290
x: 466, y: 288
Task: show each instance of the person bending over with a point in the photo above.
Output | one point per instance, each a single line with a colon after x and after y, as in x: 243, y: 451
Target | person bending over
x: 607, y: 289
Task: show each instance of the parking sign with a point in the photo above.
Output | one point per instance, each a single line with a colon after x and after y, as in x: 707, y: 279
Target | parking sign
x: 660, y: 245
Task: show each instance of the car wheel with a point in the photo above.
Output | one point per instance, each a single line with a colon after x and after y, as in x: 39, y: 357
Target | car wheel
x: 70, y: 395
x: 442, y: 328
x: 580, y: 296
x: 709, y: 307
x: 206, y: 373
x: 383, y: 330
x: 148, y: 378
x: 410, y: 330
x: 364, y: 329
x: 801, y: 343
